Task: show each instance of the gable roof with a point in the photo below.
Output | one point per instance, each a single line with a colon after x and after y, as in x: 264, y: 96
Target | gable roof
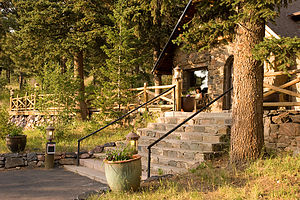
x: 287, y: 25
x: 164, y: 63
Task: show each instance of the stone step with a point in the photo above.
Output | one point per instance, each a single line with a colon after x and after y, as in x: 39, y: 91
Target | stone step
x: 173, y: 162
x: 213, y: 129
x: 194, y: 145
x: 202, y: 114
x: 87, y: 172
x: 95, y: 164
x: 197, y: 120
x: 162, y: 169
x: 197, y: 136
x: 179, y: 153
x: 183, y: 145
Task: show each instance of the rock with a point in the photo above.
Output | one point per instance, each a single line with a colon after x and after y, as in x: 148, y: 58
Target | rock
x: 158, y: 178
x: 274, y: 128
x: 2, y: 158
x: 67, y: 161
x: 84, y: 156
x: 98, y: 149
x: 40, y: 164
x: 282, y: 118
x: 11, y: 155
x: 295, y: 118
x: 2, y: 162
x: 86, y: 195
x: 70, y: 155
x: 1, y: 166
x: 32, y: 163
x: 40, y: 157
x: 57, y: 157
x: 14, y: 162
x: 31, y: 157
x: 290, y: 129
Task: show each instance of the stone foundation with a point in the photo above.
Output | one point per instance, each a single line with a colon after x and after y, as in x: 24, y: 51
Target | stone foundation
x: 282, y: 130
x: 33, y: 160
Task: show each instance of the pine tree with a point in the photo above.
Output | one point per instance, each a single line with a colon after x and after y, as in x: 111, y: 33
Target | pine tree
x: 242, y: 22
x: 52, y: 31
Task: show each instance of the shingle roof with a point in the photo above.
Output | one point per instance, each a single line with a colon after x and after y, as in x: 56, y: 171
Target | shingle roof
x: 287, y: 24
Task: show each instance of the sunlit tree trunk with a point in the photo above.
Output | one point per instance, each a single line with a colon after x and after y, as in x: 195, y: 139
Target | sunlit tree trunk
x: 78, y: 74
x: 247, y: 131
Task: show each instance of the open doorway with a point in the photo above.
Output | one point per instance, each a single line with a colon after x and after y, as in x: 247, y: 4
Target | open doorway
x: 199, y: 78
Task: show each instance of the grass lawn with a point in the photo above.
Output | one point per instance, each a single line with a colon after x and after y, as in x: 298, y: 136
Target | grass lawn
x: 36, y: 139
x: 271, y: 178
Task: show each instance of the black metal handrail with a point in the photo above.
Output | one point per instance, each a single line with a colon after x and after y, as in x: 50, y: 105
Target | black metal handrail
x: 179, y: 125
x: 128, y: 113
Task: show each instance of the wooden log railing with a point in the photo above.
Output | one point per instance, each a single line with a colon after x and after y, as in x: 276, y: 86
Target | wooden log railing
x: 145, y: 92
x: 282, y: 89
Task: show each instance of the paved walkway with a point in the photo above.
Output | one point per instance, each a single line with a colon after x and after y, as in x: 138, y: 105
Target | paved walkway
x: 42, y: 184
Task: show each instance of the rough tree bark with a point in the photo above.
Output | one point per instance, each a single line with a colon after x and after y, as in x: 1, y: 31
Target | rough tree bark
x: 8, y: 75
x: 247, y: 130
x: 78, y: 74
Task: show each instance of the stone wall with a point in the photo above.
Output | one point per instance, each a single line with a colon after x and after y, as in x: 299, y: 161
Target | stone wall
x: 17, y: 160
x: 214, y: 61
x: 282, y: 130
x: 31, y: 121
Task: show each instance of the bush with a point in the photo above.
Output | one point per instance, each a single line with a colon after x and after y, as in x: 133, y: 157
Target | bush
x: 7, y: 127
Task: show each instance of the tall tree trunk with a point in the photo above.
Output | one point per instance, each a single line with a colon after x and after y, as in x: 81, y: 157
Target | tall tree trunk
x: 8, y: 75
x: 21, y: 81
x: 156, y: 78
x: 78, y: 73
x: 63, y: 65
x: 247, y: 131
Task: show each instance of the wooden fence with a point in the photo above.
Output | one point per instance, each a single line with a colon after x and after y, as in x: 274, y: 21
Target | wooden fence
x: 282, y: 89
x: 166, y: 101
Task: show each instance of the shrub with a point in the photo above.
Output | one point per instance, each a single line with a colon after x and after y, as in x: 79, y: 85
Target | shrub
x: 7, y: 127
x: 120, y: 154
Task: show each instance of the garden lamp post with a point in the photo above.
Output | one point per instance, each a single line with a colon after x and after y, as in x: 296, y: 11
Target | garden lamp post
x: 132, y: 139
x: 50, y: 148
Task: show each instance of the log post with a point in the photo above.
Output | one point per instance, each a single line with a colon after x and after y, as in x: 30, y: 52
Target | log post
x: 178, y: 94
x: 177, y: 76
x: 145, y: 96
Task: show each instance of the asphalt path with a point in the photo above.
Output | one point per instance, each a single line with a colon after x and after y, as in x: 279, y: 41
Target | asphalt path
x: 42, y: 184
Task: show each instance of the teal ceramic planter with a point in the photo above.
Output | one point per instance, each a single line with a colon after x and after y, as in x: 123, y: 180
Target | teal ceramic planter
x: 124, y: 175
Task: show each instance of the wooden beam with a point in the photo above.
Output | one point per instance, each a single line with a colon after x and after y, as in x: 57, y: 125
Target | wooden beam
x: 282, y: 90
x: 283, y: 86
x: 269, y: 74
x: 161, y: 97
x: 152, y: 87
x: 281, y: 104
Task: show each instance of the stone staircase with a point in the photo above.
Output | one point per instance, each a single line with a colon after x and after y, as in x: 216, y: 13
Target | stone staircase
x: 92, y: 168
x: 202, y: 138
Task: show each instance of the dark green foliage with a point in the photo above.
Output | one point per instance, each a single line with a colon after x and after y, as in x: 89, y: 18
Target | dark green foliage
x: 7, y: 127
x: 284, y: 52
x: 215, y: 21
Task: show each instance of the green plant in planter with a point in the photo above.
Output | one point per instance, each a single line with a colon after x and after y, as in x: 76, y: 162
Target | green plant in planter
x: 123, y: 169
x: 15, y: 141
x: 120, y: 154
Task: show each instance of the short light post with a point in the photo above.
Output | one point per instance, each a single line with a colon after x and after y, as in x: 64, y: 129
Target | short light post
x: 50, y: 148
x: 132, y: 139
